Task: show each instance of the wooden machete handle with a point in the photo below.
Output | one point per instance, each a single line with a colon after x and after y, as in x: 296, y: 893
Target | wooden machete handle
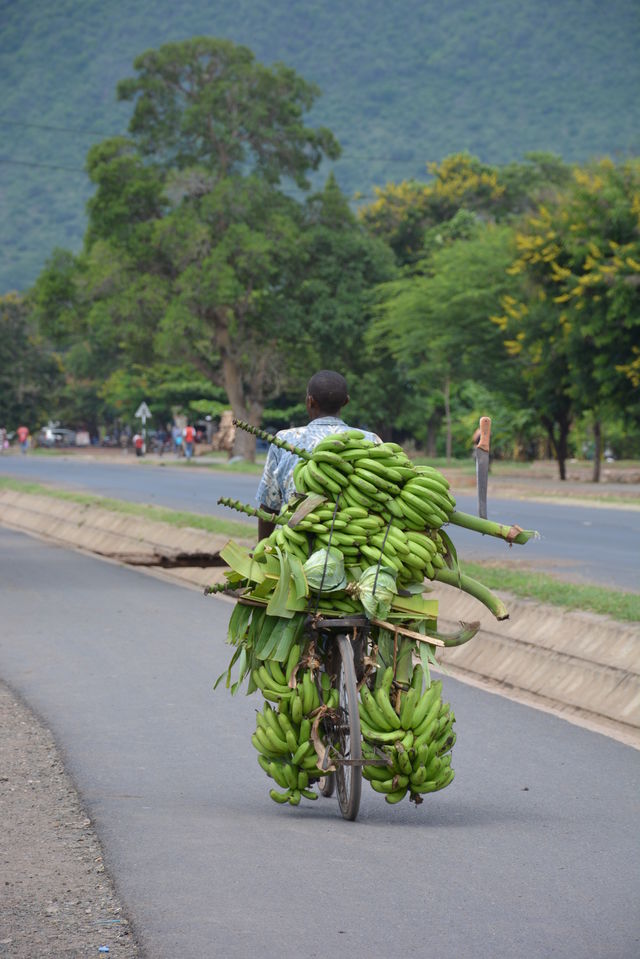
x: 485, y: 434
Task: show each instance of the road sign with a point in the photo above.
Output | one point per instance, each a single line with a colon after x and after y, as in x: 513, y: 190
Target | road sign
x: 143, y: 412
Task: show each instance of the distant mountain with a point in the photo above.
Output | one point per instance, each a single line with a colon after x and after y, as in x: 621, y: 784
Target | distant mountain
x: 403, y: 83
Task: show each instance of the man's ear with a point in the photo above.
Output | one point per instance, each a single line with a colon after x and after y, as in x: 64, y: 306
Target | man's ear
x: 347, y: 400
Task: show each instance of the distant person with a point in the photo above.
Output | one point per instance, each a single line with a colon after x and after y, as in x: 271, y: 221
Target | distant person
x: 138, y: 443
x: 176, y: 437
x: 189, y: 440
x: 23, y: 438
x: 3, y: 439
x: 327, y: 394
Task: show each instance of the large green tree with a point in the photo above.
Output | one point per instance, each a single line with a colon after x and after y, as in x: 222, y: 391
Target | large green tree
x: 30, y: 374
x: 194, y: 204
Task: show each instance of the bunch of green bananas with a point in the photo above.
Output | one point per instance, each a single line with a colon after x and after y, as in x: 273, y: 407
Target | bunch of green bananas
x: 414, y: 740
x: 283, y: 734
x: 388, y: 509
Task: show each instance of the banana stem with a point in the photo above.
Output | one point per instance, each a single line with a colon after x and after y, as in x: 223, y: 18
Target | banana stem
x: 466, y: 632
x: 511, y: 534
x: 251, y: 510
x: 475, y: 589
x: 218, y: 588
x: 269, y: 438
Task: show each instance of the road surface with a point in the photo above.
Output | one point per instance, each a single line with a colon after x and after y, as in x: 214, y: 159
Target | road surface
x: 532, y: 851
x: 585, y: 543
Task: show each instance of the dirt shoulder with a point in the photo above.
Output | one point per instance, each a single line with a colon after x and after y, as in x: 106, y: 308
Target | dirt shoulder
x: 56, y: 898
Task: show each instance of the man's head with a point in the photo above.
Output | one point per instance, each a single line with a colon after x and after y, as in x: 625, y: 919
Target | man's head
x: 326, y: 394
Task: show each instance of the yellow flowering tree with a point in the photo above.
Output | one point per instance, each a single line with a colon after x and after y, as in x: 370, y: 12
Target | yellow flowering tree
x: 575, y: 328
x: 402, y: 213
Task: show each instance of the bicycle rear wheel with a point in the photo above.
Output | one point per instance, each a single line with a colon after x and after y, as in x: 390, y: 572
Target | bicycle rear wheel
x: 346, y: 733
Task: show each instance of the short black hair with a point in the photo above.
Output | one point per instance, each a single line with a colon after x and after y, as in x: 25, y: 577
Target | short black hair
x: 329, y: 390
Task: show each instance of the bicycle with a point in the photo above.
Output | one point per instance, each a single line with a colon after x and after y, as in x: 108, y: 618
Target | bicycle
x: 342, y: 657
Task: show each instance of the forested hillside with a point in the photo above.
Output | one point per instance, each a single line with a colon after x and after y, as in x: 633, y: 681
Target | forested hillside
x: 402, y: 84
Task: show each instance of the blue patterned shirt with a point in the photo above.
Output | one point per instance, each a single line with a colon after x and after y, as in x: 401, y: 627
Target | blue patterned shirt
x: 276, y: 486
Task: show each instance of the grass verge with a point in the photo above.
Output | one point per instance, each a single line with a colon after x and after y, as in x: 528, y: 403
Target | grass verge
x: 222, y: 466
x: 544, y: 588
x: 211, y: 524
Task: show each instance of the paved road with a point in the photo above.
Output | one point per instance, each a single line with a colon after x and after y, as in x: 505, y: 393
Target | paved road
x: 531, y: 852
x: 586, y: 543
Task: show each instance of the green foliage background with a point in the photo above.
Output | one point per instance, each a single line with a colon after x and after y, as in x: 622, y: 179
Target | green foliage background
x: 403, y: 84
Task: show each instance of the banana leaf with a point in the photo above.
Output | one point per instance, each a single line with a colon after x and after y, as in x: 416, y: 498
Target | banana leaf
x: 235, y: 579
x: 404, y: 660
x: 241, y: 561
x: 238, y: 623
x: 300, y: 584
x: 226, y: 674
x: 415, y: 607
x: 271, y: 565
x: 307, y: 506
x: 451, y: 557
x: 288, y: 634
x: 264, y: 589
x: 385, y: 652
x: 243, y: 665
x: 295, y: 603
x: 277, y: 605
x: 266, y: 642
x: 427, y: 657
x: 255, y: 626
x: 413, y: 589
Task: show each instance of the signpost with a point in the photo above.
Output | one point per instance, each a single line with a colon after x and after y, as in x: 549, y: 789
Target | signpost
x: 143, y: 413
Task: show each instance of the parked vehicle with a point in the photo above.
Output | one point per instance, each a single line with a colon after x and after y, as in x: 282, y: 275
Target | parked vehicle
x: 56, y: 436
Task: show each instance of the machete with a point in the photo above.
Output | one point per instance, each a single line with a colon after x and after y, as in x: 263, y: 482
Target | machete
x: 482, y: 464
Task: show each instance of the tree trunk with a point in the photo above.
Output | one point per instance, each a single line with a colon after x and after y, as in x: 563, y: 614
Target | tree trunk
x: 559, y: 441
x: 597, y: 450
x: 244, y: 408
x: 447, y: 415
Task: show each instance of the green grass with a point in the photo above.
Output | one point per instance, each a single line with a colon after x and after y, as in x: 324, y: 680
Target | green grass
x: 223, y: 466
x: 547, y: 589
x: 157, y: 513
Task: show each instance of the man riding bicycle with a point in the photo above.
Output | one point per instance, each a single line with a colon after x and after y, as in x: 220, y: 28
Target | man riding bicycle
x: 327, y: 394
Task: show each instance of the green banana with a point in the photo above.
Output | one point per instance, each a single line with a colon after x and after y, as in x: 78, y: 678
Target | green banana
x: 336, y: 475
x: 378, y: 773
x: 327, y: 457
x: 279, y: 797
x: 276, y: 744
x: 396, y: 796
x: 403, y: 760
x: 377, y: 715
x: 303, y: 750
x: 431, y: 695
x: 377, y: 481
x: 390, y: 786
x: 381, y: 697
x: 411, y: 517
x: 276, y: 771
x: 408, y: 708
